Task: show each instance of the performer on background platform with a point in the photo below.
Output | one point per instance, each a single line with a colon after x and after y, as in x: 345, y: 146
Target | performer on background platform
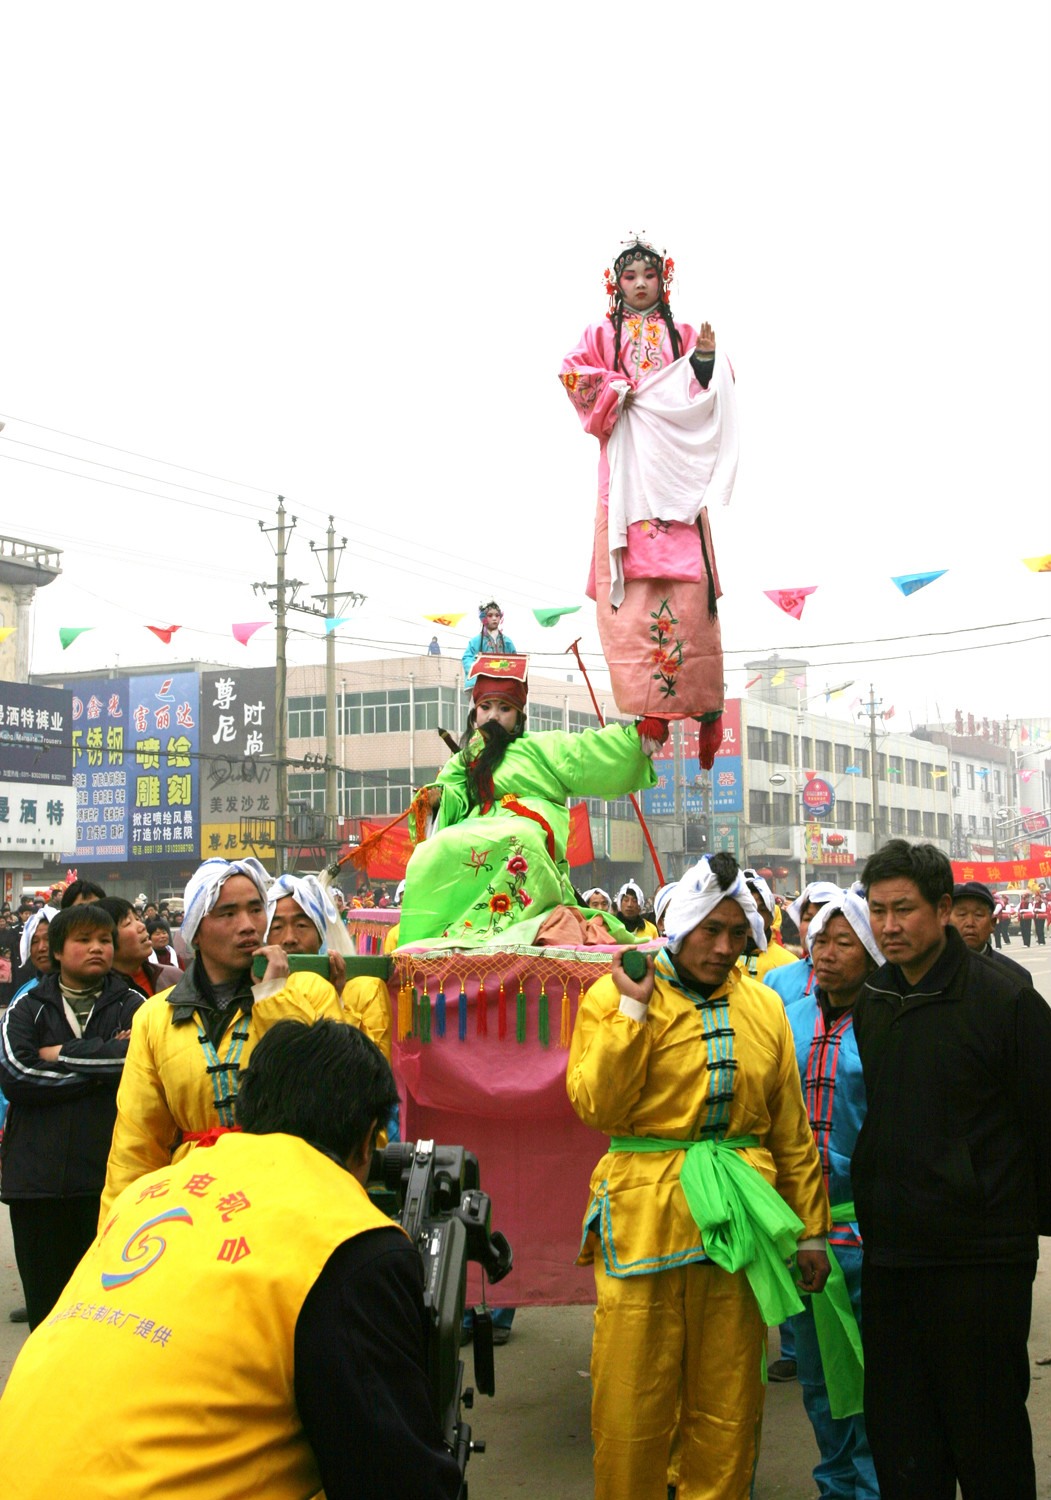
x: 662, y: 406
x: 711, y: 1182
x: 495, y: 872
x: 490, y: 640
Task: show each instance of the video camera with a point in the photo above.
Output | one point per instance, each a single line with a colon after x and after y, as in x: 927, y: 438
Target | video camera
x: 434, y: 1194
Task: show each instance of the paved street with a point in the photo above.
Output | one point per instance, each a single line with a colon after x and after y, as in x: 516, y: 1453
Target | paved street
x: 536, y: 1428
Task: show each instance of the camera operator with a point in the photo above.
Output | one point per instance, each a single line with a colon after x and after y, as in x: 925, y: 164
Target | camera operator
x: 247, y: 1322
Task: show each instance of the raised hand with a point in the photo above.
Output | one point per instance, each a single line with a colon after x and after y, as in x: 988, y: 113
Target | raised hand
x: 705, y: 339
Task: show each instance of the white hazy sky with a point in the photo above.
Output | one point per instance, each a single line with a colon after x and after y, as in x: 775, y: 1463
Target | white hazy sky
x: 338, y: 251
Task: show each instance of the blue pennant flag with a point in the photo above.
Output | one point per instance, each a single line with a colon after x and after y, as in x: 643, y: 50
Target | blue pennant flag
x: 910, y: 582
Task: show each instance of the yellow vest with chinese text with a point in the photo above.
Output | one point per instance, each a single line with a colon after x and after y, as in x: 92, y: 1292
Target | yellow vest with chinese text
x: 169, y: 1356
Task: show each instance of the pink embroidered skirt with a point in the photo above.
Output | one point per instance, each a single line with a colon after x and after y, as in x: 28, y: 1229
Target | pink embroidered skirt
x: 664, y: 652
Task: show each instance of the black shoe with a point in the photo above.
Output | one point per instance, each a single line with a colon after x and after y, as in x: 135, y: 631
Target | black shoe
x: 781, y: 1370
x: 18, y: 1315
x: 500, y: 1335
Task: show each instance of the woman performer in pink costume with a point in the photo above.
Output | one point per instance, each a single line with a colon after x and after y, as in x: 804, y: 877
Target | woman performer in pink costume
x: 653, y: 574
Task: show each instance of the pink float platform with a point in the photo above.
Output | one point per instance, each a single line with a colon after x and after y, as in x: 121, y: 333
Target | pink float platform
x: 490, y: 1074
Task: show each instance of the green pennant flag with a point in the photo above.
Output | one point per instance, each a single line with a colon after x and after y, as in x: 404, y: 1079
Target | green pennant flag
x: 68, y: 633
x: 549, y: 617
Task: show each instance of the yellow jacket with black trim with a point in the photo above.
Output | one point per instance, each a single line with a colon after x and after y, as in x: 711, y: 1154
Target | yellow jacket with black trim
x: 664, y: 1077
x: 176, y: 1333
x: 758, y: 965
x: 166, y: 1090
x: 366, y: 1003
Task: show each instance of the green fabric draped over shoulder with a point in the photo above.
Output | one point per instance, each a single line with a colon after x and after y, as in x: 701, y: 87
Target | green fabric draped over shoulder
x: 490, y: 880
x: 745, y: 1224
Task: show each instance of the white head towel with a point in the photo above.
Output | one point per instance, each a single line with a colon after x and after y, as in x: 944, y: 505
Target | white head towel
x: 204, y: 885
x: 697, y: 894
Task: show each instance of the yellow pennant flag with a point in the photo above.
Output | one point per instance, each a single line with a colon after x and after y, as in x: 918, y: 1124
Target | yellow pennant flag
x: 778, y: 678
x: 5, y: 631
x: 450, y: 620
x: 1039, y: 564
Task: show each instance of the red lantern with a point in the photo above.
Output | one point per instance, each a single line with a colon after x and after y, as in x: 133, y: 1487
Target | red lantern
x: 835, y: 839
x: 766, y: 874
x: 781, y: 871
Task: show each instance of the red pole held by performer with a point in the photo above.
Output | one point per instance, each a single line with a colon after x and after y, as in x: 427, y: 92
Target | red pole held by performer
x: 575, y: 648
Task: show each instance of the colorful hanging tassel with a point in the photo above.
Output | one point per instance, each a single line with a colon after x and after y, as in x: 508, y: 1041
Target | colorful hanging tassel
x: 564, y: 1034
x: 520, y: 1029
x: 439, y: 1010
x: 482, y: 1022
x: 425, y: 1016
x: 463, y: 1012
x: 404, y: 1010
x: 545, y: 1021
x: 501, y: 1013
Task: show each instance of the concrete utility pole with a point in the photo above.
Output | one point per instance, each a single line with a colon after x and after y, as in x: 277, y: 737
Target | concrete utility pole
x: 331, y: 771
x: 279, y: 605
x: 874, y: 711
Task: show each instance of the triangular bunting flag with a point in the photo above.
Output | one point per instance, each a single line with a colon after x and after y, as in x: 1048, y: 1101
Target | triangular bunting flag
x: 778, y: 678
x: 910, y: 582
x: 333, y: 622
x: 247, y: 629
x: 450, y: 621
x: 1039, y: 564
x: 754, y: 681
x: 68, y: 633
x: 5, y: 631
x: 790, y: 600
x: 889, y: 715
x: 164, y: 632
x: 549, y: 617
x: 799, y: 682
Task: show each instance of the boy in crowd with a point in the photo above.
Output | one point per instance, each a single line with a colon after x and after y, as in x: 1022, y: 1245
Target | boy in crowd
x: 62, y: 1048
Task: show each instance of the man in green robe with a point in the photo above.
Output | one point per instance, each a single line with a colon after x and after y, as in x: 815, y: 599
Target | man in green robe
x: 495, y: 870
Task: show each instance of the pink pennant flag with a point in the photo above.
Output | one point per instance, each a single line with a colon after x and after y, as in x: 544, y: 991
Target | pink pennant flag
x: 800, y: 681
x: 1025, y: 732
x: 754, y: 681
x: 855, y: 703
x: 1025, y: 775
x: 164, y: 632
x: 790, y: 600
x: 247, y: 629
x: 890, y: 712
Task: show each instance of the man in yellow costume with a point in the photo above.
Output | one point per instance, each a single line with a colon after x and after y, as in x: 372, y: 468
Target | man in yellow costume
x: 247, y: 1323
x: 302, y: 918
x: 692, y: 1072
x: 190, y: 1042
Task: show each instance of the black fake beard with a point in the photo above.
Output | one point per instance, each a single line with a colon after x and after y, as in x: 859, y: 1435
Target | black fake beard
x: 481, y: 770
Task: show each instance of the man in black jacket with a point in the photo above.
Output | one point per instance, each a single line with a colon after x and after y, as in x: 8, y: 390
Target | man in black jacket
x: 974, y: 917
x: 62, y: 1048
x: 952, y: 1185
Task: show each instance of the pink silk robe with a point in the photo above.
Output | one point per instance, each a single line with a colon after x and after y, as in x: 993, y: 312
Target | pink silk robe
x: 663, y: 651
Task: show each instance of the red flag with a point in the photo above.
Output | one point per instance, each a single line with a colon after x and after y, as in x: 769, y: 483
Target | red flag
x: 754, y: 681
x: 164, y: 632
x: 392, y: 854
x: 579, y: 849
x: 890, y: 712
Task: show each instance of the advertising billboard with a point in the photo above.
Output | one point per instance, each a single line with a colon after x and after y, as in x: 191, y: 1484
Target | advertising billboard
x: 99, y: 716
x: 238, y: 745
x: 35, y: 727
x: 162, y: 766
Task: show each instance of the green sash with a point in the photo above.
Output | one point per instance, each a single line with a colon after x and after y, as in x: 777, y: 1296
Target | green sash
x: 838, y: 1334
x: 745, y: 1224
